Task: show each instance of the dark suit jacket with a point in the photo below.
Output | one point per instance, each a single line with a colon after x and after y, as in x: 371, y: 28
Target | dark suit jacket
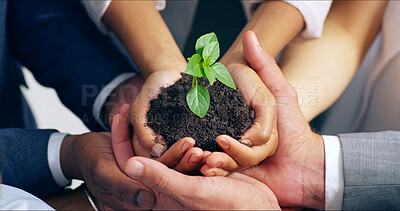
x: 64, y: 50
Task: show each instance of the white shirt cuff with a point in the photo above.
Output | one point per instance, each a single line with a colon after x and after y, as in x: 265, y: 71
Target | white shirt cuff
x: 97, y: 9
x: 104, y: 94
x: 314, y: 15
x: 53, y: 156
x: 334, y: 182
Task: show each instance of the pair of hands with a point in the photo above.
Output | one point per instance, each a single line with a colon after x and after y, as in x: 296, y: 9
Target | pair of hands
x: 262, y: 136
x: 295, y: 173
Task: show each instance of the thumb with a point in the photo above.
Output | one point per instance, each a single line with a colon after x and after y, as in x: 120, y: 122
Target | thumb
x: 159, y: 177
x: 267, y: 69
x: 120, y: 137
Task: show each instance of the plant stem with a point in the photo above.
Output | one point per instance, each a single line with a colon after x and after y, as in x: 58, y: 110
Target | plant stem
x: 194, y: 81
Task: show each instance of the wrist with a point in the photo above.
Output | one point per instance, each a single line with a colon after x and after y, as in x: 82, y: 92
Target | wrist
x: 233, y: 57
x: 314, y: 175
x: 167, y: 63
x: 69, y: 163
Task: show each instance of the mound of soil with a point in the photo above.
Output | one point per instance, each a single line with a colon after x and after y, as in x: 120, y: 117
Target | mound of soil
x: 170, y: 116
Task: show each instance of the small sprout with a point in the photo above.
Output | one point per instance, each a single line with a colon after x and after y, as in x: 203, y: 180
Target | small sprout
x: 202, y: 64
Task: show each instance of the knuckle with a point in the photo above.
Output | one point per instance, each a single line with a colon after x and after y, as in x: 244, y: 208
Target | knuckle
x: 121, y: 191
x: 253, y: 162
x: 265, y: 136
x: 270, y: 59
x: 161, y: 183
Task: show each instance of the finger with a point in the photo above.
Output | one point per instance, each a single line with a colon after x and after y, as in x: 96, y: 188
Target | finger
x: 190, y: 161
x: 263, y: 63
x: 266, y: 67
x: 138, y: 113
x: 138, y: 149
x: 124, y: 110
x: 261, y: 129
x: 209, y: 171
x: 222, y: 160
x: 109, y: 178
x: 121, y: 143
x: 175, y: 153
x: 259, y: 98
x: 147, y: 138
x: 159, y: 177
x: 205, y: 155
x: 244, y: 155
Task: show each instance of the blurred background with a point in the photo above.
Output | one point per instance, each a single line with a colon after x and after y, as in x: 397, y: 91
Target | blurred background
x: 49, y: 112
x: 47, y: 108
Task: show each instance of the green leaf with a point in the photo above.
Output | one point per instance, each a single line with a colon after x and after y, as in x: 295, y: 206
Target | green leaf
x: 210, y: 74
x: 198, y: 100
x: 223, y: 75
x: 211, y: 53
x: 194, y: 66
x: 204, y: 40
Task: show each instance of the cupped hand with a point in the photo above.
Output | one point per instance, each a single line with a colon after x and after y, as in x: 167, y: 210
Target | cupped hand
x: 95, y: 164
x: 295, y: 173
x: 181, y: 156
x: 145, y: 136
x: 174, y: 190
x: 258, y: 142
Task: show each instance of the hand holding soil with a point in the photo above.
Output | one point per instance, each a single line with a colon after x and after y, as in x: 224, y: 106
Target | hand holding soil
x: 263, y: 133
x: 148, y: 140
x: 181, y: 156
x: 247, y: 114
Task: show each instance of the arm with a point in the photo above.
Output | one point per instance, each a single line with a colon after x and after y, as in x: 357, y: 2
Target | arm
x: 147, y: 38
x: 64, y: 50
x: 321, y: 69
x: 275, y: 24
x: 371, y: 166
x: 24, y: 161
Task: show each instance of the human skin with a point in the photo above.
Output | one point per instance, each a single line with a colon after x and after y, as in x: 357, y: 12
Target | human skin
x: 321, y: 69
x: 174, y: 190
x: 347, y: 42
x: 296, y: 172
x: 145, y: 35
x: 89, y: 157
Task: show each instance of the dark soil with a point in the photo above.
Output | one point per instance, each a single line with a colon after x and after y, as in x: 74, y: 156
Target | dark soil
x: 170, y: 116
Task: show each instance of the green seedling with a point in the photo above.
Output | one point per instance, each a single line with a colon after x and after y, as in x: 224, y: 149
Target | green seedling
x: 202, y: 64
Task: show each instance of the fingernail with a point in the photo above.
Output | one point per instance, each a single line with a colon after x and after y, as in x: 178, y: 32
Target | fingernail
x: 247, y: 142
x: 186, y: 146
x: 224, y: 144
x: 255, y: 38
x: 134, y: 168
x: 157, y: 149
x: 145, y: 199
x: 218, y: 164
x: 211, y: 174
x: 194, y: 159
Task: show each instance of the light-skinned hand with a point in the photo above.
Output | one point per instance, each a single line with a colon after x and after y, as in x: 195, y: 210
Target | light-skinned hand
x: 295, y: 173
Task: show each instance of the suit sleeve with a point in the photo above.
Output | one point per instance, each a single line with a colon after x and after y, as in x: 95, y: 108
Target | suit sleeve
x: 57, y: 41
x: 23, y: 160
x: 371, y: 167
